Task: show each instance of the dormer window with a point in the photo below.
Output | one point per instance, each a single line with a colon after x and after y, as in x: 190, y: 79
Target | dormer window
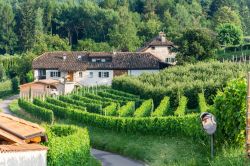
x: 101, y: 60
x: 93, y: 60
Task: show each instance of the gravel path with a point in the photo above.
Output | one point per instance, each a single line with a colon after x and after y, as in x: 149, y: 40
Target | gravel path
x: 110, y: 159
x: 4, y: 105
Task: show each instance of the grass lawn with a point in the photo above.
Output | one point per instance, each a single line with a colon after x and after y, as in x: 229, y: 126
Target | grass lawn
x: 156, y: 150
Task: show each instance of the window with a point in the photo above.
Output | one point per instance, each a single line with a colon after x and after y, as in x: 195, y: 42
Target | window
x: 103, y: 74
x: 80, y: 74
x: 103, y: 60
x: 42, y: 72
x: 170, y: 60
x: 91, y: 74
x: 93, y: 60
x: 55, y: 74
x: 153, y: 48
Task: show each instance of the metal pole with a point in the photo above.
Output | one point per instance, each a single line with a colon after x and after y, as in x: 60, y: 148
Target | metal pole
x: 212, y: 146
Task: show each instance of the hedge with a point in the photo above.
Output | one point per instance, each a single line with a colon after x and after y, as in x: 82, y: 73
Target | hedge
x: 63, y: 104
x: 188, y: 125
x: 121, y: 93
x: 36, y: 111
x: 120, y: 99
x: 181, y: 109
x: 111, y: 110
x: 57, y: 110
x: 68, y: 145
x: 202, y: 103
x: 163, y: 108
x: 89, y: 100
x: 127, y: 110
x: 145, y: 109
x: 91, y: 107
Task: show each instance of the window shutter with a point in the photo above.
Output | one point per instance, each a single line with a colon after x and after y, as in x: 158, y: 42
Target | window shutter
x: 59, y: 74
x: 100, y: 74
x: 51, y: 74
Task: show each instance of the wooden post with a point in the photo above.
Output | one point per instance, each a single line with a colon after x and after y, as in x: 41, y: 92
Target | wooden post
x: 248, y: 117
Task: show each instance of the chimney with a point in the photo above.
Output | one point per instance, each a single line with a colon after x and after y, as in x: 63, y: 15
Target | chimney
x: 64, y: 57
x: 162, y: 37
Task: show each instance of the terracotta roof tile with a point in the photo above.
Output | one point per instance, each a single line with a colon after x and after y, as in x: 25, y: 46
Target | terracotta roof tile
x: 22, y: 147
x: 19, y: 127
x: 80, y: 61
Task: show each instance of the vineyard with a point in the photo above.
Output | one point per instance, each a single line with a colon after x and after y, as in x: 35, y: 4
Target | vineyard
x: 118, y: 111
x: 188, y: 81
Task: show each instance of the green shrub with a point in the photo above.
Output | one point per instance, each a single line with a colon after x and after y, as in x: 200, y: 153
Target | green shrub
x: 163, y: 108
x: 68, y: 145
x: 36, y: 111
x: 15, y: 84
x: 230, y: 112
x: 91, y: 107
x: 181, y: 109
x: 96, y: 97
x: 145, y: 109
x: 111, y: 109
x: 5, y: 88
x: 127, y: 110
x: 57, y: 110
x: 202, y: 103
x: 121, y: 93
x: 88, y: 100
x: 63, y: 104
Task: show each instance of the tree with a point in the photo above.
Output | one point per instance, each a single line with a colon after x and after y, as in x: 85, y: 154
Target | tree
x: 46, y: 43
x: 196, y: 45
x: 226, y: 15
x: 124, y: 34
x: 217, y: 4
x: 8, y: 38
x: 26, y: 18
x: 91, y: 45
x: 229, y: 34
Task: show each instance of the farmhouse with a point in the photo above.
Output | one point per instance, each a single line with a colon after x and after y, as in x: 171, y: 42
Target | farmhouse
x: 61, y: 72
x: 161, y: 48
x: 19, y: 142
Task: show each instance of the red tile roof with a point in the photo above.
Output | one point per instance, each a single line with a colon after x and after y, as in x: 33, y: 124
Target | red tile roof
x: 18, y: 128
x: 22, y: 147
x: 80, y: 61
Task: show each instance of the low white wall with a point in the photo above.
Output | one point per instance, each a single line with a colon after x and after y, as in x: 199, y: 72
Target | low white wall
x: 95, y: 80
x: 31, y: 158
x: 139, y: 72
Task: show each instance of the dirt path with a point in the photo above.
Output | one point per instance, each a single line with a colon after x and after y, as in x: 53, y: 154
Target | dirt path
x: 110, y: 159
x: 4, y: 105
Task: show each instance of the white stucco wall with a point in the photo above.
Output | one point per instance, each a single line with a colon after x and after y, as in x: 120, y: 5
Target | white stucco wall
x: 161, y: 52
x: 30, y: 158
x: 63, y: 74
x: 139, y: 72
x: 96, y: 80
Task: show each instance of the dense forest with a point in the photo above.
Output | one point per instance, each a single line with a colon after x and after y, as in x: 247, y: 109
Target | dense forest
x: 106, y: 25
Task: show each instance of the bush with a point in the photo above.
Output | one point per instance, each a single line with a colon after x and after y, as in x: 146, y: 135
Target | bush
x: 88, y: 100
x: 91, y: 107
x: 127, y: 110
x: 111, y: 110
x: 181, y: 110
x: 63, y: 104
x: 36, y: 111
x: 163, y: 108
x: 121, y: 93
x: 145, y: 109
x: 15, y: 84
x: 5, y: 88
x: 202, y: 103
x: 230, y: 112
x: 96, y: 97
x: 68, y: 145
x: 57, y: 110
